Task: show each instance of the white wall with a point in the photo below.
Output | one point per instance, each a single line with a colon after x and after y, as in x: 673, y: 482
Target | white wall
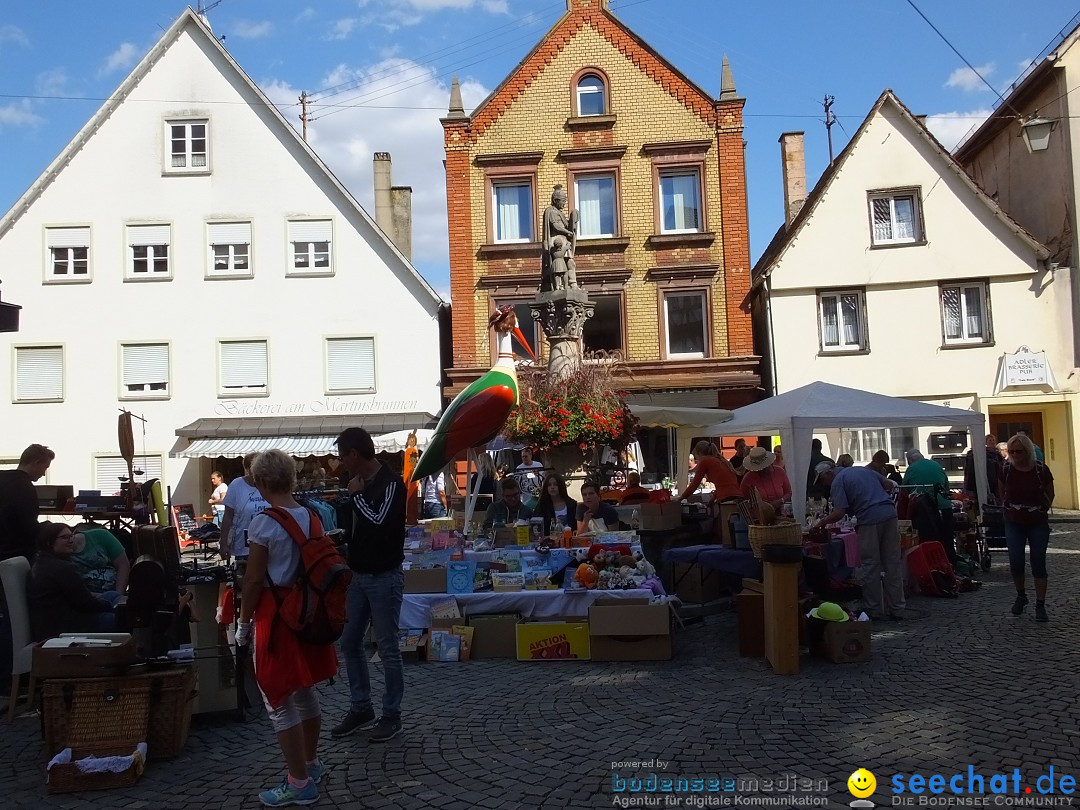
x: 260, y: 173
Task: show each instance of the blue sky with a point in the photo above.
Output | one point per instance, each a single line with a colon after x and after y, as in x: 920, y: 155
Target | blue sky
x: 380, y: 70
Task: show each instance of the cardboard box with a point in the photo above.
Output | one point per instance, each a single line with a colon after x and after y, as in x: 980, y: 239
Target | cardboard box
x: 695, y: 584
x: 660, y: 516
x: 495, y: 635
x: 425, y: 580
x: 846, y: 642
x: 629, y: 630
x: 553, y: 641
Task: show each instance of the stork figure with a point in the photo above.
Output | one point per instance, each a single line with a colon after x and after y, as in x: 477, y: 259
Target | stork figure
x: 478, y: 413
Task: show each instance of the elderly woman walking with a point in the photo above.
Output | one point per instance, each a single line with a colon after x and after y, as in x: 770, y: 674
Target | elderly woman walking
x: 1026, y: 490
x: 286, y: 668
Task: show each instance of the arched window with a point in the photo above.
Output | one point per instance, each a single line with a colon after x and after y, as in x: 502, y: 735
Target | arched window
x: 591, y: 95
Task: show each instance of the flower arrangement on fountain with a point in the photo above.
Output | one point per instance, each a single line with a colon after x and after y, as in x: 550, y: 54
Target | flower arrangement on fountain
x: 584, y: 408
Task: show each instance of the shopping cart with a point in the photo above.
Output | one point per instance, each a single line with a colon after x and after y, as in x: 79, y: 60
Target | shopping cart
x: 991, y: 532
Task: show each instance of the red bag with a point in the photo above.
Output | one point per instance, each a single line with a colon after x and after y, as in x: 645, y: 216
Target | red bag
x: 314, y: 607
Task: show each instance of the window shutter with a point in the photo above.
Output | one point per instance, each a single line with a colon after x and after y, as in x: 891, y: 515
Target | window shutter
x: 243, y: 364
x: 109, y: 469
x: 149, y: 234
x: 68, y: 237
x: 146, y: 364
x: 350, y: 364
x: 229, y: 233
x: 39, y: 373
x: 318, y: 230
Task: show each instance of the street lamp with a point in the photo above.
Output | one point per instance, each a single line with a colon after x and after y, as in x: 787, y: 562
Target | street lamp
x: 1036, y: 132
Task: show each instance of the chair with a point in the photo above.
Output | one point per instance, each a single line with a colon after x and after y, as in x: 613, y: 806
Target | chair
x: 14, y: 575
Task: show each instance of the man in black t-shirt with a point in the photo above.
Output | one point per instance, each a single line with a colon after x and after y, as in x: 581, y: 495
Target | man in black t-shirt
x: 19, y: 503
x: 592, y: 509
x: 376, y: 551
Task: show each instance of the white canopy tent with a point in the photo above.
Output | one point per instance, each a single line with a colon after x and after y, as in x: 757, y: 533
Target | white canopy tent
x: 796, y: 414
x: 687, y: 423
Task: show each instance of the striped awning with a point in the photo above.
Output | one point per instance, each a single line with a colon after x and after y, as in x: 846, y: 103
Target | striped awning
x: 240, y: 446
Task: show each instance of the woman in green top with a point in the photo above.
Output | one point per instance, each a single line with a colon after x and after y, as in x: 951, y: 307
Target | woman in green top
x: 101, y: 560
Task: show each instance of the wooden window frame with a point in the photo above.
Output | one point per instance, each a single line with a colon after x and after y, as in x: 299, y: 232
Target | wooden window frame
x: 964, y: 343
x: 680, y: 285
x: 864, y: 323
x: 915, y: 192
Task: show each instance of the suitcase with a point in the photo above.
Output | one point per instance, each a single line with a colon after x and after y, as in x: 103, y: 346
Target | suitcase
x: 84, y: 660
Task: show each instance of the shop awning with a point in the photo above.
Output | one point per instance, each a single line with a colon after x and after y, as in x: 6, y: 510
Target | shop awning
x: 296, y: 435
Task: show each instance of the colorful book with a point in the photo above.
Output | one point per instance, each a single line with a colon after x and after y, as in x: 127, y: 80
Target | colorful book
x: 445, y: 609
x: 465, y: 633
x: 459, y: 576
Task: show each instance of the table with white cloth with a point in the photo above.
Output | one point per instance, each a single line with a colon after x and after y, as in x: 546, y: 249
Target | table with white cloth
x: 416, y: 607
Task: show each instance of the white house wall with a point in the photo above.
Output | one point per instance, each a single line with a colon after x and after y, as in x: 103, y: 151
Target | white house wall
x: 258, y: 173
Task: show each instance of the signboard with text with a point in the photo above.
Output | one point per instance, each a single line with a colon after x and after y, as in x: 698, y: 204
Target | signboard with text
x: 1026, y: 368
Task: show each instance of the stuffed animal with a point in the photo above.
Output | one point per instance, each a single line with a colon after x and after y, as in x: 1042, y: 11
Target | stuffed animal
x: 586, y: 575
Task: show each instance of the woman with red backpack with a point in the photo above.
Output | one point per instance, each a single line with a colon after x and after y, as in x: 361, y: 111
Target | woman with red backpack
x: 1026, y: 491
x: 286, y: 667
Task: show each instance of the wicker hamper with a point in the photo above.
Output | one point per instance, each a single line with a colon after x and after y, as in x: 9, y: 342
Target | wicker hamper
x: 93, y: 716
x: 779, y: 534
x: 172, y: 698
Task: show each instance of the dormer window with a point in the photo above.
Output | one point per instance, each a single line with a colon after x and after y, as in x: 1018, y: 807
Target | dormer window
x: 591, y: 95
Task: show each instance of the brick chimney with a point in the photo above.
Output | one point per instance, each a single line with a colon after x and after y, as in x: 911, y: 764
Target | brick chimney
x: 393, y: 205
x: 401, y: 215
x: 601, y: 4
x: 794, y: 164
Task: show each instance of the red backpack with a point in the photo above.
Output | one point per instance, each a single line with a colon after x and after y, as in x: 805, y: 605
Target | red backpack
x: 314, y: 607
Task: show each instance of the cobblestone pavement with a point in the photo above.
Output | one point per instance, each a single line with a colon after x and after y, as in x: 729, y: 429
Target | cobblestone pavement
x: 960, y: 683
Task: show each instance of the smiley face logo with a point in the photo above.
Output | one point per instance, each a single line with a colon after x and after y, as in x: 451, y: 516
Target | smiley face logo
x: 861, y: 783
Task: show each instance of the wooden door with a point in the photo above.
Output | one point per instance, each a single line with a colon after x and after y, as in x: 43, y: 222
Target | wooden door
x: 1006, y: 425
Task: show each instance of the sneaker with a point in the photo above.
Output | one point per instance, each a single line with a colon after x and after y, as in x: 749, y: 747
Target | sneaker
x: 1040, y: 612
x: 285, y: 794
x: 316, y: 772
x: 386, y: 729
x: 354, y: 721
x: 1019, y: 604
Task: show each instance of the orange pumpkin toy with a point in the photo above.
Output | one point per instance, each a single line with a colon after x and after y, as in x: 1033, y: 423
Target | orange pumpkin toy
x: 586, y: 575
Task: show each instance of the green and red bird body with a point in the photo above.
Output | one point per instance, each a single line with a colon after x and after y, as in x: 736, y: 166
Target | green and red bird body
x: 477, y: 414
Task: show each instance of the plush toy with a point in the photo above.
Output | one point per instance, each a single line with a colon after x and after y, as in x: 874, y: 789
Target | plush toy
x: 627, y: 559
x: 586, y: 575
x: 646, y: 568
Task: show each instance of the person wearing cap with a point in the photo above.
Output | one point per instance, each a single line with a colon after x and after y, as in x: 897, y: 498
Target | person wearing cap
x: 867, y: 495
x: 762, y: 474
x: 716, y: 469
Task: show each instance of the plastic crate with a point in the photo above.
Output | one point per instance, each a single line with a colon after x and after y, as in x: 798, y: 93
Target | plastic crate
x: 923, y: 560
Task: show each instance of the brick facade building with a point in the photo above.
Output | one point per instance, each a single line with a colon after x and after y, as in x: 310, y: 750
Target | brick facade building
x: 655, y: 168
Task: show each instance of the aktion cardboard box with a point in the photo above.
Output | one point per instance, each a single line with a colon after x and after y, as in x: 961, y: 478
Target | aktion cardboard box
x: 846, y: 642
x: 495, y: 635
x: 553, y: 641
x: 629, y: 630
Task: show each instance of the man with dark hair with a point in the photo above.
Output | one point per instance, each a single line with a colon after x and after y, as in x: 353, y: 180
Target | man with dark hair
x: 814, y: 489
x: 376, y: 551
x: 19, y: 503
x: 741, y: 451
x: 509, y: 509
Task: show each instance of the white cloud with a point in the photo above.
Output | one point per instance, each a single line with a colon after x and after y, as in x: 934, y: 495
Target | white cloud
x: 18, y: 114
x: 342, y: 28
x: 306, y: 14
x: 247, y: 29
x: 967, y: 79
x: 123, y: 57
x: 346, y: 138
x: 52, y: 83
x: 951, y: 127
x: 392, y: 14
x: 12, y: 33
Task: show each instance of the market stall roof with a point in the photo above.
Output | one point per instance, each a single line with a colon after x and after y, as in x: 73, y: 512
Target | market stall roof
x: 676, y: 417
x: 295, y: 435
x: 796, y: 414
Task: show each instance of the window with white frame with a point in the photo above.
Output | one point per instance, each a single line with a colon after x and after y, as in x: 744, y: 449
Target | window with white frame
x: 604, y: 330
x: 350, y: 365
x: 188, y: 146
x: 685, y: 324
x: 69, y: 253
x: 842, y: 316
x: 591, y: 95
x: 149, y: 251
x: 861, y: 444
x: 965, y: 315
x: 230, y: 249
x: 894, y: 218
x: 144, y: 370
x: 39, y: 374
x: 680, y: 201
x: 243, y: 367
x: 111, y: 472
x: 310, y: 241
x: 595, y: 198
x: 512, y: 211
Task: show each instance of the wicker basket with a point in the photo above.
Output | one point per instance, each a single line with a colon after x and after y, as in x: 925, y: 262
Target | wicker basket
x: 172, y: 696
x: 779, y: 534
x: 67, y: 778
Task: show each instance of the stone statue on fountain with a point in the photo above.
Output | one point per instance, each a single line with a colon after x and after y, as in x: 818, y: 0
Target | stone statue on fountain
x: 558, y: 271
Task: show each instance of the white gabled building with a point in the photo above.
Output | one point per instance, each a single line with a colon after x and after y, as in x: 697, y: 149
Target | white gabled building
x: 898, y: 275
x: 189, y: 258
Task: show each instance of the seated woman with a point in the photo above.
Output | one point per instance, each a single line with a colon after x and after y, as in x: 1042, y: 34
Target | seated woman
x: 762, y: 474
x: 100, y: 559
x: 634, y: 493
x: 716, y: 469
x: 58, y: 598
x: 593, y: 514
x: 555, y: 505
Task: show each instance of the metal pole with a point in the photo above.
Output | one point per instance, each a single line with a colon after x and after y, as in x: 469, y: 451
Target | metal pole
x: 830, y: 119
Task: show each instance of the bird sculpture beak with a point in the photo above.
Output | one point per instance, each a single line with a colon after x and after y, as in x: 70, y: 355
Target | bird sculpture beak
x: 521, y: 339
